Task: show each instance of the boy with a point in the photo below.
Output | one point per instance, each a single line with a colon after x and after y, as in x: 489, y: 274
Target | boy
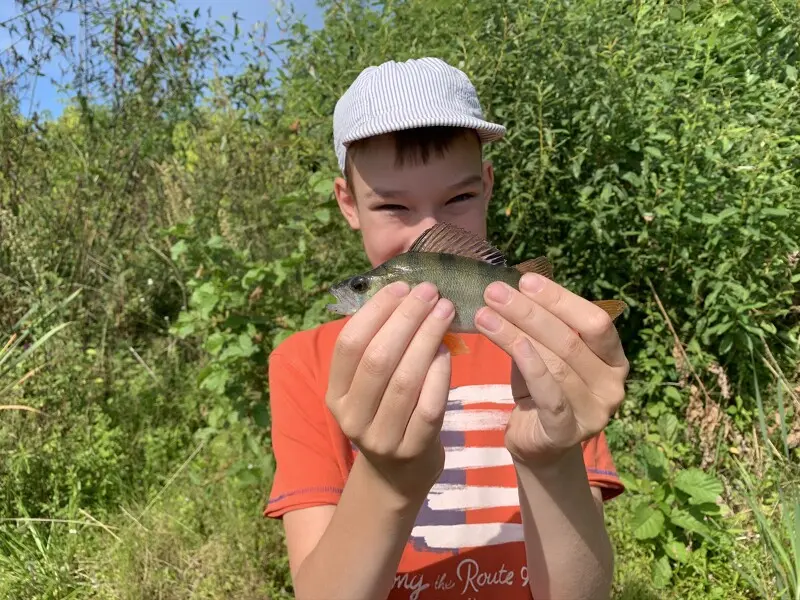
x: 403, y: 472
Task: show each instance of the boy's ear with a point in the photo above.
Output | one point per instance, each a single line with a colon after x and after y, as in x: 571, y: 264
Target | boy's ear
x: 347, y: 202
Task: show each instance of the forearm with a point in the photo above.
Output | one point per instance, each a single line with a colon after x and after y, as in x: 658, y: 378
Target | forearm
x: 569, y: 554
x: 369, y: 529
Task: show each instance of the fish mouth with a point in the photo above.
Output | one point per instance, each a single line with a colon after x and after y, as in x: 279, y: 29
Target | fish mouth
x: 348, y: 302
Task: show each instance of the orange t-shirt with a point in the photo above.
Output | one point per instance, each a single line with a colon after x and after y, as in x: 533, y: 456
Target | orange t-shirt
x: 467, y: 541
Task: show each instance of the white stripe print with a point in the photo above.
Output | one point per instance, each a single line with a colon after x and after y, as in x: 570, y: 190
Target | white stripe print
x: 476, y: 394
x: 475, y: 420
x: 453, y: 496
x: 476, y: 458
x: 473, y: 534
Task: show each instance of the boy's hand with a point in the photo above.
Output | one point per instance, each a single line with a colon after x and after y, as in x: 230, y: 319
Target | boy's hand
x: 570, y: 381
x: 389, y: 384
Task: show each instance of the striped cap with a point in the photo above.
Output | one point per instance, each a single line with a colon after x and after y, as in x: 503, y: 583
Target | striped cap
x: 421, y: 92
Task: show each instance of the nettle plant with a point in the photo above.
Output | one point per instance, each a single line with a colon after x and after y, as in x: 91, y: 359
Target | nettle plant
x: 680, y: 509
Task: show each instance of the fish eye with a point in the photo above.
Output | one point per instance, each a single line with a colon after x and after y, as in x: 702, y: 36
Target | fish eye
x: 359, y: 284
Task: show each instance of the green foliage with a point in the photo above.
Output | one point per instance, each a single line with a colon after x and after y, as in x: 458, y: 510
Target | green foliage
x: 679, y: 513
x: 775, y: 505
x: 652, y: 155
x: 776, y: 512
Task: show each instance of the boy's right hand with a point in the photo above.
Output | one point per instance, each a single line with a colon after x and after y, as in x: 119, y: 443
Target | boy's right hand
x: 389, y: 382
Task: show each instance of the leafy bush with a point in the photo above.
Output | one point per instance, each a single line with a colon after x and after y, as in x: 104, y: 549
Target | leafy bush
x: 652, y: 155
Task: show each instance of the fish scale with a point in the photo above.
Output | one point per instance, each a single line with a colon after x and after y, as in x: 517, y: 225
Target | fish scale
x: 460, y: 279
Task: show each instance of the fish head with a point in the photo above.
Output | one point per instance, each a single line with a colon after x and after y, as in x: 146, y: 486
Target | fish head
x: 353, y: 292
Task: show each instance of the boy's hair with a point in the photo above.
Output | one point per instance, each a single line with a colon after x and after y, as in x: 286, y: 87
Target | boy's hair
x: 412, y: 145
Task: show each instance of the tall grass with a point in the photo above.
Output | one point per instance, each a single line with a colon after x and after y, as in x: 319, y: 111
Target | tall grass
x: 18, y: 348
x: 777, y: 516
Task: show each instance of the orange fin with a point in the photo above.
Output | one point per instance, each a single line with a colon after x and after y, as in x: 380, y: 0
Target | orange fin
x: 455, y: 344
x: 446, y: 238
x: 539, y: 265
x: 614, y: 308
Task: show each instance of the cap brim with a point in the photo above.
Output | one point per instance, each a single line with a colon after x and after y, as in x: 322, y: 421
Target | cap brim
x: 388, y: 123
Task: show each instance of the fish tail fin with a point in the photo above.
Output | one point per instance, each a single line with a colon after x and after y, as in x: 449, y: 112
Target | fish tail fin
x: 538, y: 265
x: 455, y: 344
x: 614, y: 308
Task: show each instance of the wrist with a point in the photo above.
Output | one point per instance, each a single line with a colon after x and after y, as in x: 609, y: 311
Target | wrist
x: 552, y: 465
x: 402, y: 495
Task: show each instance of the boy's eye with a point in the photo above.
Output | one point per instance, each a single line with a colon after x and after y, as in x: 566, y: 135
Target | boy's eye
x: 390, y: 207
x: 461, y: 198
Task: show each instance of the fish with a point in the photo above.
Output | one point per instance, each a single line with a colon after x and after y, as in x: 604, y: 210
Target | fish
x: 460, y: 264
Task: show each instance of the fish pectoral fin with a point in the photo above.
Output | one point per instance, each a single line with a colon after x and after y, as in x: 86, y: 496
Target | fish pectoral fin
x: 455, y: 344
x: 539, y: 265
x: 446, y: 238
x: 614, y: 308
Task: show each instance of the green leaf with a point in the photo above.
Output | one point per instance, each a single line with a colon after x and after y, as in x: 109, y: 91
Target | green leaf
x: 323, y: 215
x: 701, y: 486
x: 205, y: 298
x: 677, y: 551
x: 215, y: 382
x: 214, y: 343
x: 630, y: 482
x: 246, y: 344
x: 780, y: 211
x: 683, y: 519
x: 321, y: 183
x: 653, y: 151
x: 791, y: 73
x: 216, y: 242
x: 662, y: 573
x: 647, y: 522
x: 261, y: 416
x: 655, y: 463
x: 178, y: 249
x: 668, y: 427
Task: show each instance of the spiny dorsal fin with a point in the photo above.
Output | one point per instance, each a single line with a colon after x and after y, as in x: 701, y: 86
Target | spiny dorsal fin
x: 450, y: 239
x: 614, y: 308
x: 539, y: 265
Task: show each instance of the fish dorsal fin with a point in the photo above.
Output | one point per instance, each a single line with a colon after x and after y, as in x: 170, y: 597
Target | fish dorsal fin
x: 614, y: 308
x: 450, y: 239
x: 539, y: 265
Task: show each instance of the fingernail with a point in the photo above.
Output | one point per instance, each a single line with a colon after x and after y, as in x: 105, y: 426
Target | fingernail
x: 498, y: 292
x: 443, y: 308
x: 443, y: 350
x: 399, y: 288
x: 426, y: 292
x: 488, y: 320
x: 532, y: 282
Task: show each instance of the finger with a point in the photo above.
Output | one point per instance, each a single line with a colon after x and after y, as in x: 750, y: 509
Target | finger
x: 405, y: 384
x: 544, y: 394
x: 593, y: 323
x: 384, y: 352
x: 508, y: 337
x: 541, y: 325
x: 512, y: 314
x: 357, y: 334
x: 564, y: 350
x: 426, y: 421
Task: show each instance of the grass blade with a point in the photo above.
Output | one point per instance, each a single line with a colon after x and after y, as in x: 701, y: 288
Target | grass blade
x: 35, y: 346
x: 782, y: 416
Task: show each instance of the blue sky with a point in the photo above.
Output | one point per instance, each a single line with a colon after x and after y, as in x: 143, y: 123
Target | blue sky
x: 251, y: 12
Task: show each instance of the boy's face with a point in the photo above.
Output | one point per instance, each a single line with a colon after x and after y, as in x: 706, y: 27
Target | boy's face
x: 392, y: 205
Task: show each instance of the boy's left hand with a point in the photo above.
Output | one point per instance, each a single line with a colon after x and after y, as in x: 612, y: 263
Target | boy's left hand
x: 570, y: 381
